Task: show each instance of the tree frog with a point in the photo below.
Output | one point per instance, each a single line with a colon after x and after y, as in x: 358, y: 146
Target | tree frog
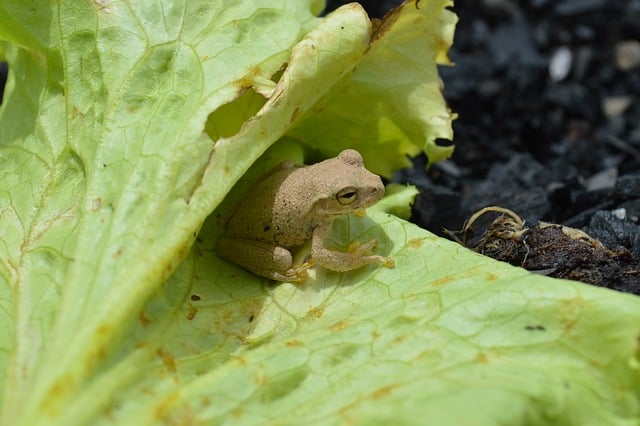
x: 291, y: 205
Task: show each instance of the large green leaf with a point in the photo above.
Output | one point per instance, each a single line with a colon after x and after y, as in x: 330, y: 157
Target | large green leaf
x: 448, y: 337
x: 124, y: 126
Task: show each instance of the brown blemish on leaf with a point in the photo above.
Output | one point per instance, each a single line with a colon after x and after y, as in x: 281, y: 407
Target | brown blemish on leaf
x: 416, y: 242
x: 206, y: 401
x: 491, y: 277
x: 75, y: 113
x: 482, y: 358
x: 399, y: 339
x: 57, y: 392
x: 168, y: 361
x: 104, y: 330
x: 164, y: 409
x: 142, y: 317
x: 569, y: 312
x: 261, y: 379
x: 295, y: 115
x: 251, y: 307
x: 96, y: 204
x: 192, y: 313
x: 98, y: 355
x: 340, y: 325
x: 238, y: 413
x: 241, y: 360
x: 383, y: 391
x: 316, y: 312
x: 442, y: 281
x: 294, y: 343
x: 384, y: 25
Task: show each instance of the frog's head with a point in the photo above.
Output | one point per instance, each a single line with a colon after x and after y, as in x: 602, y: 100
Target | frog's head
x: 349, y: 186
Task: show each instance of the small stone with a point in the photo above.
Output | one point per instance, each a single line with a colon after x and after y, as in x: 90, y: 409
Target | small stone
x: 628, y: 186
x: 616, y: 105
x: 605, y: 179
x: 632, y: 210
x: 560, y: 64
x: 628, y: 55
x: 620, y: 214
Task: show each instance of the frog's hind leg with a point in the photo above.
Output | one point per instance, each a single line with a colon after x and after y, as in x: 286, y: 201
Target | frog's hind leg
x: 264, y: 259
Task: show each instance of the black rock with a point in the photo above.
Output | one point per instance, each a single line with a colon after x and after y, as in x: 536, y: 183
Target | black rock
x: 632, y: 209
x: 615, y: 231
x: 576, y: 7
x: 628, y: 187
x: 437, y: 208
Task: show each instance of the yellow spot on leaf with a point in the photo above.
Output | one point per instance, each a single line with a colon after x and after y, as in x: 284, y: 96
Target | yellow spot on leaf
x: 416, y: 242
x: 383, y: 391
x: 316, y: 312
x: 340, y: 325
x: 192, y: 313
x: 442, y: 281
x: 168, y: 361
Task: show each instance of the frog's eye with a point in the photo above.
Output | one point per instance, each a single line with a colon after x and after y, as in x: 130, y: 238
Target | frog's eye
x: 347, y: 195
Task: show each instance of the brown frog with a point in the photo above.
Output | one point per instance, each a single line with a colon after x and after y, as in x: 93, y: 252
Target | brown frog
x: 291, y: 205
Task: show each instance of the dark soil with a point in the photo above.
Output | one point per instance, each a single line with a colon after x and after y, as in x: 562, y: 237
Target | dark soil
x: 549, y: 125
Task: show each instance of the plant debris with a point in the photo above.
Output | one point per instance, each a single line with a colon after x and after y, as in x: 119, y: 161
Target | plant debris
x: 554, y: 250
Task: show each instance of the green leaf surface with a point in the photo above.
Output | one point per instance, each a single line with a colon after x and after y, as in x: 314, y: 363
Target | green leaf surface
x: 456, y: 337
x: 392, y: 102
x: 125, y: 124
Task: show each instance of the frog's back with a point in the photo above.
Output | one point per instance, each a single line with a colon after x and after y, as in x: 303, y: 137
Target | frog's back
x: 262, y: 215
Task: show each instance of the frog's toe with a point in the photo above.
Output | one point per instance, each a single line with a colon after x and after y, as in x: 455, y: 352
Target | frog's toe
x: 299, y: 273
x: 362, y: 250
x: 387, y: 262
x: 353, y: 247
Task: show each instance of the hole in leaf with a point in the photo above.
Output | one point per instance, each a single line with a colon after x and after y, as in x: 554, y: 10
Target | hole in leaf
x: 227, y: 120
x: 443, y: 142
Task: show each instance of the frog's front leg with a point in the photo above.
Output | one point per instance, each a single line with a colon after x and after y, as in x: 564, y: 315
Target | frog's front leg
x: 264, y: 259
x: 356, y: 257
